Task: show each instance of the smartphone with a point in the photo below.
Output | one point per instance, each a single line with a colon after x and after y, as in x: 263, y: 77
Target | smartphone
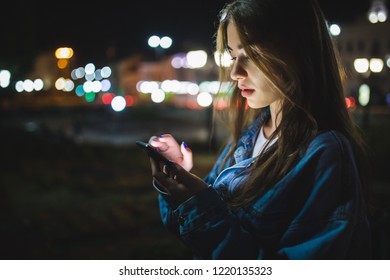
x: 152, y: 152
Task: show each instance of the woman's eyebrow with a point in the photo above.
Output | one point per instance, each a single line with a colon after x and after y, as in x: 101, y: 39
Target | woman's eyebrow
x: 229, y: 51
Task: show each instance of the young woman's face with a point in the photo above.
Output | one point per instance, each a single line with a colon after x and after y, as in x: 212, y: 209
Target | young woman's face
x: 251, y: 81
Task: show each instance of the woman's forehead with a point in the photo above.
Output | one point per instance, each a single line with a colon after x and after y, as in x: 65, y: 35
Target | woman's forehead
x: 233, y: 38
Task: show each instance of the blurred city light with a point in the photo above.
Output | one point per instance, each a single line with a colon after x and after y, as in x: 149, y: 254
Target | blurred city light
x: 64, y: 84
x: 192, y: 88
x: 170, y: 86
x: 107, y: 98
x: 90, y: 96
x: 364, y: 95
x: 64, y: 53
x: 80, y: 90
x: 38, y: 84
x: 183, y: 87
x: 60, y: 83
x: 118, y: 103
x: 89, y: 68
x: 196, y: 59
x: 170, y: 80
x: 147, y: 86
x: 378, y: 11
x: 105, y: 85
x: 191, y: 59
x: 106, y: 72
x: 96, y: 80
x: 5, y: 78
x: 224, y: 60
x: 29, y: 85
x: 350, y: 102
x: 155, y: 41
x: 204, y: 99
x: 157, y: 95
x: 179, y: 61
x: 62, y: 63
x: 78, y: 73
x: 335, y: 29
x: 361, y: 65
x: 19, y: 86
x: 376, y: 65
x: 130, y: 100
x: 165, y: 42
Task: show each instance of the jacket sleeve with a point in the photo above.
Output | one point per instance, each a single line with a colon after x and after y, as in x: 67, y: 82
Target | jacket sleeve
x: 322, y: 227
x: 332, y: 224
x: 206, y: 225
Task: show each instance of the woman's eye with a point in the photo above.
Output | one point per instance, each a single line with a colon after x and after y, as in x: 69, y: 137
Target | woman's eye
x: 245, y: 58
x: 240, y: 58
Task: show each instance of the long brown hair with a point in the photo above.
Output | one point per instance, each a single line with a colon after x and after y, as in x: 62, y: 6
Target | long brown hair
x: 290, y: 43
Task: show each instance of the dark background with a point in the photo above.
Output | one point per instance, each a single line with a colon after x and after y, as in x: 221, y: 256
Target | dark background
x: 29, y: 28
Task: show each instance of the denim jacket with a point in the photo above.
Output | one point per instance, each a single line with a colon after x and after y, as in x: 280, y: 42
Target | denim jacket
x: 316, y: 211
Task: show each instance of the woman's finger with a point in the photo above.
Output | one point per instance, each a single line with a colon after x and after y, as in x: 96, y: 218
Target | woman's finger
x: 168, y: 146
x: 160, y: 146
x: 187, y: 162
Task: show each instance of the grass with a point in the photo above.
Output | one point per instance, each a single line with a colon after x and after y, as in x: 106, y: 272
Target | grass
x: 60, y: 200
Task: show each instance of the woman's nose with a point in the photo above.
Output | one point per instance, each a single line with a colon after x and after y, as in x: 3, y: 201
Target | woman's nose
x: 237, y: 71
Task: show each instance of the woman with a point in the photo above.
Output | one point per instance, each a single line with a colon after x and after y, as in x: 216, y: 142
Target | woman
x: 288, y: 184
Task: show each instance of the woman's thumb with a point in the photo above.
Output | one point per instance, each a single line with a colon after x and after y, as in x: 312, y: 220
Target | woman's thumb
x: 187, y: 156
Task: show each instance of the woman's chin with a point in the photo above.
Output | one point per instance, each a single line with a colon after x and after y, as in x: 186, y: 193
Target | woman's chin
x: 255, y: 105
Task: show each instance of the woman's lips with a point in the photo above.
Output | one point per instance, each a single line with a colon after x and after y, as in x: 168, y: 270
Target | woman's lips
x: 246, y: 92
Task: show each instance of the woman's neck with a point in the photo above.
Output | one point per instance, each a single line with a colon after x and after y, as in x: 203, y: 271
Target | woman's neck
x: 270, y: 126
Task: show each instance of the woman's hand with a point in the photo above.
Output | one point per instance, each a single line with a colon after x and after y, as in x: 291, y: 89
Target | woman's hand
x: 176, y: 181
x: 168, y: 146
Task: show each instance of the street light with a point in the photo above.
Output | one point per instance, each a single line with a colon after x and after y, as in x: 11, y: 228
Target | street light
x: 165, y: 42
x: 159, y: 44
x: 335, y: 29
x: 378, y: 11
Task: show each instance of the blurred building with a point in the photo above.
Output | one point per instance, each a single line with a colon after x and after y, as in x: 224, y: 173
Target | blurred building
x: 132, y: 71
x: 370, y: 44
x: 359, y: 41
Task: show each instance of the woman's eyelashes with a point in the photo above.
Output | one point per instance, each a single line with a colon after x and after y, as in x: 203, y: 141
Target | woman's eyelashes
x: 241, y: 58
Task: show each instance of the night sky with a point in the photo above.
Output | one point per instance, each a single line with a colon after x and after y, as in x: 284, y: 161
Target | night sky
x: 28, y: 29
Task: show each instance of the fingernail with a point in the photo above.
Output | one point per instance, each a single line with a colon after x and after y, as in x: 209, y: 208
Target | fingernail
x: 161, y: 136
x: 184, y: 145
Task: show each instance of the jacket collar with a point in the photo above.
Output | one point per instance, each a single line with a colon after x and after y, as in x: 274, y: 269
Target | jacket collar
x: 247, y: 141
